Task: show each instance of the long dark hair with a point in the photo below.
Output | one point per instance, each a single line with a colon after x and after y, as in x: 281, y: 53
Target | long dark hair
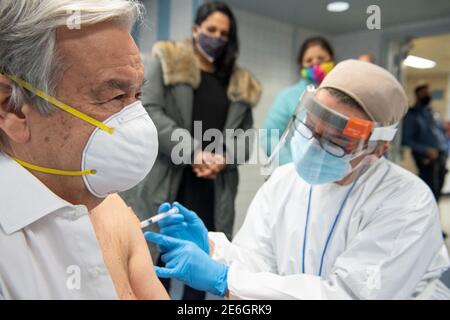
x: 225, y: 64
x: 312, y: 42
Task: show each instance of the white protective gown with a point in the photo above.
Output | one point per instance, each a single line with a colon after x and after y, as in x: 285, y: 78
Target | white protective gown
x: 387, y: 243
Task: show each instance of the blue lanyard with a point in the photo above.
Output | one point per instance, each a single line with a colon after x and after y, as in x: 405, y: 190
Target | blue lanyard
x: 331, y: 231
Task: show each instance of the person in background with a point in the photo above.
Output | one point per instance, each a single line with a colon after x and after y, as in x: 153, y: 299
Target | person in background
x: 316, y: 59
x: 367, y: 57
x: 425, y: 135
x: 197, y: 81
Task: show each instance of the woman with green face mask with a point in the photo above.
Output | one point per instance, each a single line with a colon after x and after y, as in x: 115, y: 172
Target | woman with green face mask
x: 316, y: 60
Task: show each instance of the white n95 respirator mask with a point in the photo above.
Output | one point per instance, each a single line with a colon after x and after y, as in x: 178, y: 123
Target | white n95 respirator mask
x: 123, y: 159
x: 120, y: 152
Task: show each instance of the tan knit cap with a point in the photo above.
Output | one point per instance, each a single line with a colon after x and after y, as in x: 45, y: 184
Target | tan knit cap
x: 378, y: 92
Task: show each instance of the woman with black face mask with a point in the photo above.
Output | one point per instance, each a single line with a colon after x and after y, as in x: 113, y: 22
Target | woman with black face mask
x: 195, y: 86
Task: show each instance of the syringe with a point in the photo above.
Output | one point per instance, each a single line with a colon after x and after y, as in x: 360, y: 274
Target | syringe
x: 158, y: 217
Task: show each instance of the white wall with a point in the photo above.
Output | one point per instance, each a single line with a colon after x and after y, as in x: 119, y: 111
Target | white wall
x: 266, y: 49
x: 181, y: 19
x: 180, y: 24
x: 149, y: 30
x: 269, y: 49
x: 352, y: 45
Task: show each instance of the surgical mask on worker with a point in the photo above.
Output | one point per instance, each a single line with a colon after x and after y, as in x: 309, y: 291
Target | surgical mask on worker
x: 120, y: 152
x: 314, y: 165
x: 317, y: 72
x: 210, y: 47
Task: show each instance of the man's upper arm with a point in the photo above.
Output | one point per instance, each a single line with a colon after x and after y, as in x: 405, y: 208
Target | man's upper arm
x: 143, y: 279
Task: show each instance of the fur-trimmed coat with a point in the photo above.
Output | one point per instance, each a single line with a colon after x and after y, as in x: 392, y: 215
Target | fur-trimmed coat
x: 173, y: 74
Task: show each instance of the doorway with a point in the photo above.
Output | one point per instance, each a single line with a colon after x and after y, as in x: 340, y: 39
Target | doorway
x: 428, y: 63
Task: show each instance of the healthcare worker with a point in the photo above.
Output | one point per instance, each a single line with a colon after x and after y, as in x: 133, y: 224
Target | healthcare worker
x: 340, y: 222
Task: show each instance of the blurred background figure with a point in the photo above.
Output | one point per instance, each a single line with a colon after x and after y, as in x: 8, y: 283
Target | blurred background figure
x: 367, y: 57
x: 316, y: 60
x: 425, y: 134
x: 194, y: 86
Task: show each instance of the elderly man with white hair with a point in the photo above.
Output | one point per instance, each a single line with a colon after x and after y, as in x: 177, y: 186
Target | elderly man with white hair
x: 72, y: 134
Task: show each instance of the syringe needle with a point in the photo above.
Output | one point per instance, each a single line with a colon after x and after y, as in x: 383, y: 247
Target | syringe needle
x: 158, y: 217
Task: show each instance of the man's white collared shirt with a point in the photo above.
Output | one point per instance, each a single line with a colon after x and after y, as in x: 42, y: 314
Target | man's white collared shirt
x: 48, y: 247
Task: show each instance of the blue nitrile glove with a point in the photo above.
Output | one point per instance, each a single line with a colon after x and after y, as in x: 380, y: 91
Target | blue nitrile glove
x: 164, y: 207
x: 186, y: 262
x: 185, y: 226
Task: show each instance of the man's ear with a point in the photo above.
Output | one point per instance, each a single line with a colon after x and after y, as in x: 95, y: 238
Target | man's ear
x: 13, y: 123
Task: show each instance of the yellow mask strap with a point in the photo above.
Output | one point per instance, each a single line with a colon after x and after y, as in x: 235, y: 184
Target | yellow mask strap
x: 54, y: 171
x: 59, y: 104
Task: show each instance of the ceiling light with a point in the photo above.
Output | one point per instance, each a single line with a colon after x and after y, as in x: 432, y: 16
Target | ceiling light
x: 419, y: 63
x: 338, y: 6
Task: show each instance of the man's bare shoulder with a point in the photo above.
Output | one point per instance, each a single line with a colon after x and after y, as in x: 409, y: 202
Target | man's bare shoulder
x: 115, y: 213
x: 116, y: 226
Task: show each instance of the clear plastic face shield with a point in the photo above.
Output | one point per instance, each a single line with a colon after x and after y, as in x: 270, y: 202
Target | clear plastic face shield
x: 325, y: 145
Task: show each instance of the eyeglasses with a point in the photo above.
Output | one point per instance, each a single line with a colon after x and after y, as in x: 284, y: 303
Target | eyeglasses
x: 327, y: 145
